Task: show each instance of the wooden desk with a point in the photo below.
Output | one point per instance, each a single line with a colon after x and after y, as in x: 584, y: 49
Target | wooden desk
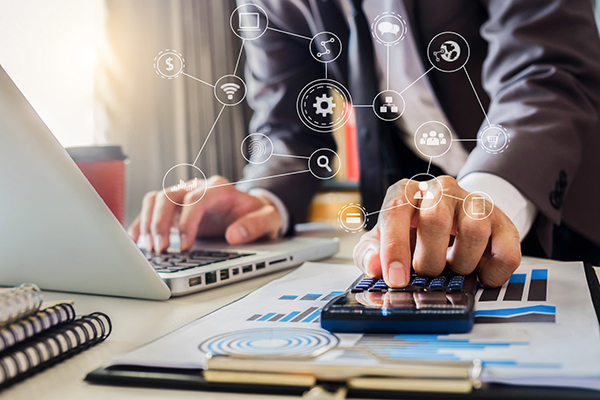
x: 137, y: 322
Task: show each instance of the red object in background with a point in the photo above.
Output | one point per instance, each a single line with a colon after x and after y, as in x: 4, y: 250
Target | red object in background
x: 104, y: 167
x: 352, y: 160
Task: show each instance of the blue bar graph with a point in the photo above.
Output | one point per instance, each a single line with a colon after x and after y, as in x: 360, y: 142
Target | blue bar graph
x: 266, y: 316
x: 312, y: 316
x: 289, y: 316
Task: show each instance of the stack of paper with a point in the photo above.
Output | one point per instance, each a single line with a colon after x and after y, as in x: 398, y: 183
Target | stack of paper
x: 538, y: 329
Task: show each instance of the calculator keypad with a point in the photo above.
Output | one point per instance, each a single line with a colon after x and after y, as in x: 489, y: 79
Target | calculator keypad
x: 447, y: 282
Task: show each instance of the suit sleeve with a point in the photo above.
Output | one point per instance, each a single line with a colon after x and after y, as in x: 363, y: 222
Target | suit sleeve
x: 542, y: 74
x: 278, y: 66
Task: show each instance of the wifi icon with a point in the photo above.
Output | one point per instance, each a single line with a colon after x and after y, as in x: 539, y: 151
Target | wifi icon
x: 230, y: 89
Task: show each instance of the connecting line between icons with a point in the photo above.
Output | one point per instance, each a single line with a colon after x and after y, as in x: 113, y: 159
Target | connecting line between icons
x: 387, y: 69
x: 258, y: 179
x: 476, y: 95
x: 466, y: 140
x: 416, y: 80
x: 454, y: 197
x: 290, y: 156
x: 208, y: 136
x: 325, y: 70
x: 196, y: 79
x: 237, y: 63
x: 289, y: 33
x: 429, y: 165
x: 385, y: 209
x: 362, y: 105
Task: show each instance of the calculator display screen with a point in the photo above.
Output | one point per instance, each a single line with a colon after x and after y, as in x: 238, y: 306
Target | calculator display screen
x: 404, y: 301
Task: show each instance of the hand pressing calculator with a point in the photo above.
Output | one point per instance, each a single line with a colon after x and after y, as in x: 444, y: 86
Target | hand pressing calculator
x: 443, y: 304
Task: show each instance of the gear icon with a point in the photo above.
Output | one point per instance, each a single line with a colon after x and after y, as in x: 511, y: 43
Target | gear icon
x: 324, y: 110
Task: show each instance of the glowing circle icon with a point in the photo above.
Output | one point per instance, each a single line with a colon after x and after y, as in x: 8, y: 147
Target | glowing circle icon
x: 478, y: 205
x: 324, y: 105
x: 257, y: 148
x: 249, y: 21
x: 389, y: 105
x: 353, y: 218
x: 448, y: 51
x: 325, y: 47
x: 230, y: 90
x: 423, y: 191
x: 433, y: 139
x: 324, y: 163
x: 494, y: 139
x: 169, y: 64
x: 181, y: 179
x: 389, y: 28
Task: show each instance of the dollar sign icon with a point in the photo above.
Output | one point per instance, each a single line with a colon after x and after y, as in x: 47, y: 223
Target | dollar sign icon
x: 169, y: 64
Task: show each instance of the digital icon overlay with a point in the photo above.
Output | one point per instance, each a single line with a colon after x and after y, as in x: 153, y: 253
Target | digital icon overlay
x: 182, y: 179
x: 353, y: 218
x: 389, y: 28
x: 324, y: 163
x: 433, y: 139
x: 325, y: 47
x: 249, y: 21
x: 448, y: 52
x: 257, y: 148
x: 324, y: 105
x: 168, y: 64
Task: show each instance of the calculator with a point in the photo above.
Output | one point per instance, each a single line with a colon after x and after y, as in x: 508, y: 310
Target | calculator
x: 443, y: 304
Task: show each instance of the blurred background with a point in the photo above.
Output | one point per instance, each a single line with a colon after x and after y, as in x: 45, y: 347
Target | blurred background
x: 87, y: 68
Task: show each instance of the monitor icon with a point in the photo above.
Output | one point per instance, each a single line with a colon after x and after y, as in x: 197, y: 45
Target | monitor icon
x: 249, y: 21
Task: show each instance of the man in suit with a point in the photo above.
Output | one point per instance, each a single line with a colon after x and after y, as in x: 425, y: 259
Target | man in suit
x: 535, y: 66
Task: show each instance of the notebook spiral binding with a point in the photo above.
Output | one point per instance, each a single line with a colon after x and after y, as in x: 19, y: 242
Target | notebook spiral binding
x: 53, y: 346
x: 19, y: 302
x: 35, y: 324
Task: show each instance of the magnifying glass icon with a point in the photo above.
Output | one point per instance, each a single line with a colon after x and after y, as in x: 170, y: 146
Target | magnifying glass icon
x: 323, y: 162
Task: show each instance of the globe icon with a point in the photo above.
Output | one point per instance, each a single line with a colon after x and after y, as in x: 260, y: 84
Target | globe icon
x: 449, y: 51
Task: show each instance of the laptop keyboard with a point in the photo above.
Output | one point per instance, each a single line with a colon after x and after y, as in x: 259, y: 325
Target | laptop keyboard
x: 175, y: 262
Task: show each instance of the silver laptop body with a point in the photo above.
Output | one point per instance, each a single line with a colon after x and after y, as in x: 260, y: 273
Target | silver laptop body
x: 57, y: 232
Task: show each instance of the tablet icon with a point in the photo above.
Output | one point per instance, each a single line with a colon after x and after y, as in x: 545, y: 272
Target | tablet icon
x: 478, y: 205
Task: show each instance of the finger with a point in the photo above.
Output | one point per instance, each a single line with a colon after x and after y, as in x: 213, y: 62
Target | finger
x: 433, y: 236
x: 394, y: 227
x: 134, y: 229
x: 162, y: 216
x: 146, y: 218
x: 200, y: 201
x: 505, y: 254
x: 264, y: 222
x: 470, y: 242
x: 366, y: 253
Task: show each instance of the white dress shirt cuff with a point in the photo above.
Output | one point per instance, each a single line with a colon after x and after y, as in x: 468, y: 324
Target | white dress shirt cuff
x: 281, y: 209
x: 521, y: 211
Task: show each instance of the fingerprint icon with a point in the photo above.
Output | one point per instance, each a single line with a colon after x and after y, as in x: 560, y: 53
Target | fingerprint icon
x: 257, y: 148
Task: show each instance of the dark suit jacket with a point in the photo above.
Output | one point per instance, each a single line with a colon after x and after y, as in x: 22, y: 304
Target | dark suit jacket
x: 534, y: 63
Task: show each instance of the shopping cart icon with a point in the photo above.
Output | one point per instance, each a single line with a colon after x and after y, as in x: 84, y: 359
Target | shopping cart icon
x: 493, y: 141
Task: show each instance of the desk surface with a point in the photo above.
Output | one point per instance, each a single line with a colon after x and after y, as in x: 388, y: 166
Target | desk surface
x: 137, y: 322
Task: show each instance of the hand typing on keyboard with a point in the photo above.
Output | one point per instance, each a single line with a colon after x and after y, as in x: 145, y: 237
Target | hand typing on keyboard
x: 223, y: 210
x: 406, y: 235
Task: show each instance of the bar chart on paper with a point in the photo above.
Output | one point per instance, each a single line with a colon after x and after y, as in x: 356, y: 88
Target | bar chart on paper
x: 522, y: 299
x: 303, y: 308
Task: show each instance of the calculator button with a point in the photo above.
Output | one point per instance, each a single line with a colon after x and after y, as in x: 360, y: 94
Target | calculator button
x: 356, y: 290
x: 373, y: 289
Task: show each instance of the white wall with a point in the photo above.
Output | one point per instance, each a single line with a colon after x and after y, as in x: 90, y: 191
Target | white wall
x: 49, y: 48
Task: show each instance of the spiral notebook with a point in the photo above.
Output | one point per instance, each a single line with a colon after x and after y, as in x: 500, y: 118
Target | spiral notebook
x: 51, y: 346
x: 27, y: 327
x: 19, y: 302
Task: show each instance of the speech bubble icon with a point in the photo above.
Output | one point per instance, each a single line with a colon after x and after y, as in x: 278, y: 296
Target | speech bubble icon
x: 388, y: 27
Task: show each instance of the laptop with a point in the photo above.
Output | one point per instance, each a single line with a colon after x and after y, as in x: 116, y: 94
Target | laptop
x: 57, y: 232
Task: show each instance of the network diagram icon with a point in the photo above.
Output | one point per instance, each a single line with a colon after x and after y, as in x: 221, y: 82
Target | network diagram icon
x: 325, y: 105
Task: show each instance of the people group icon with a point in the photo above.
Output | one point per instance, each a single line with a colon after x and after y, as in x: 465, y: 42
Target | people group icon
x: 433, y: 139
x: 423, y: 192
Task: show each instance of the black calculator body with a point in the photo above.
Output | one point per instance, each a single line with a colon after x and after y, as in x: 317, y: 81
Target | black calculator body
x: 443, y: 304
